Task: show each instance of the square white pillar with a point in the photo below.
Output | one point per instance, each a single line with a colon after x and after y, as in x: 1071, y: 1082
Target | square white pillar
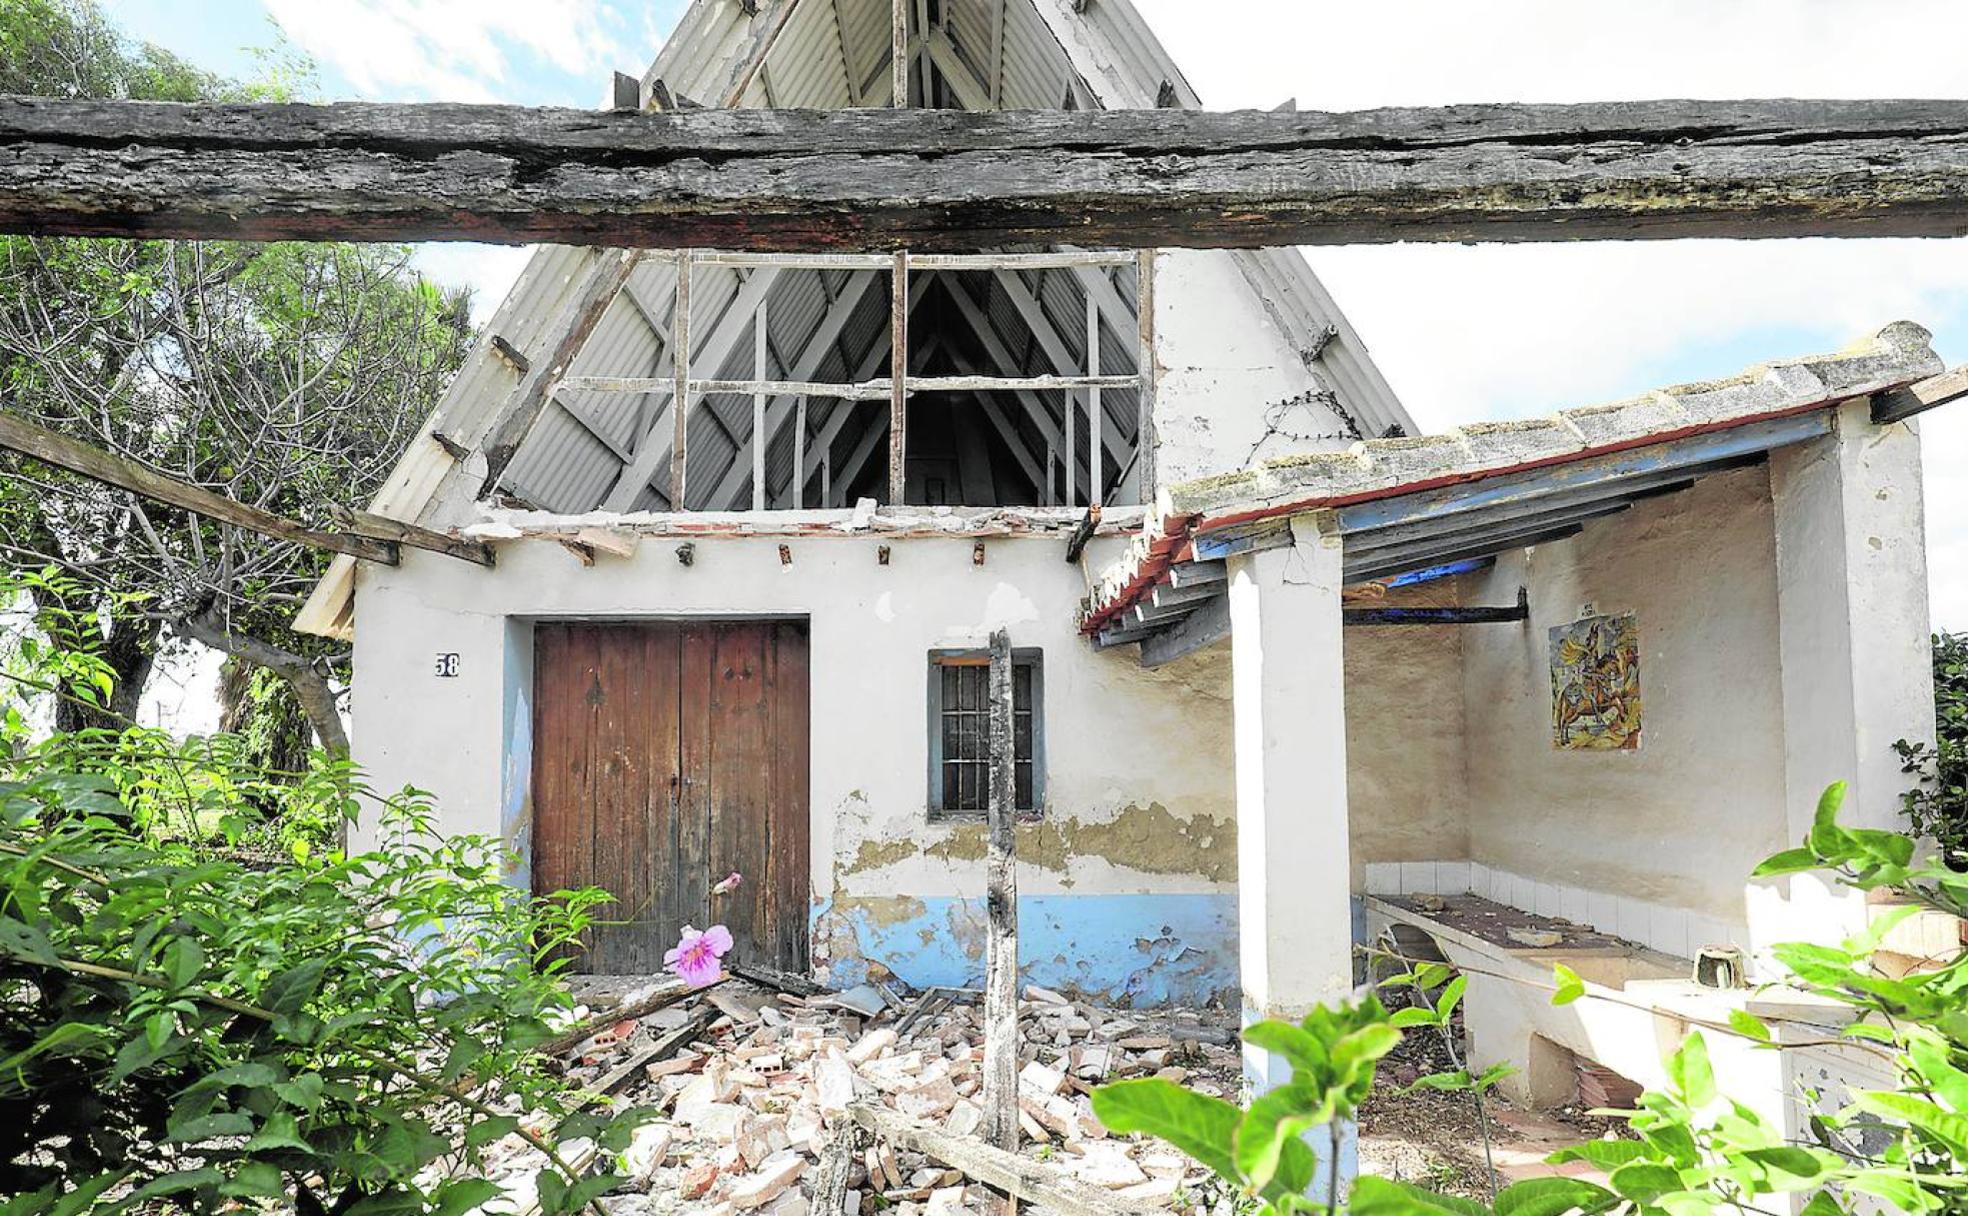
x: 1294, y: 903
x: 1854, y: 646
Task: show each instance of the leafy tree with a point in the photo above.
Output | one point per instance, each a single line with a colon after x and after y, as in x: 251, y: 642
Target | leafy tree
x: 288, y: 376
x: 1937, y: 808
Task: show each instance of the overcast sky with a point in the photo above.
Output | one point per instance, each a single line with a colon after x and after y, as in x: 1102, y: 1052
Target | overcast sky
x: 1463, y: 332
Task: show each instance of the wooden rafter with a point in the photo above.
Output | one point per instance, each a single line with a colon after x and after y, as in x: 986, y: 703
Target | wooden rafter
x: 929, y: 180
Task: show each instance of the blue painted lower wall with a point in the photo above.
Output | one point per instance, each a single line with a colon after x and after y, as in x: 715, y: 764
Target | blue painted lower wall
x: 1134, y: 950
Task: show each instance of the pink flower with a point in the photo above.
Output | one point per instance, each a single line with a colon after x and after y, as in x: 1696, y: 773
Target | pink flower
x: 728, y: 884
x: 696, y: 956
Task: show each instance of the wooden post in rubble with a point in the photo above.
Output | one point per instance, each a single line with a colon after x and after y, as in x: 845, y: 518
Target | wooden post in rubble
x: 1001, y: 903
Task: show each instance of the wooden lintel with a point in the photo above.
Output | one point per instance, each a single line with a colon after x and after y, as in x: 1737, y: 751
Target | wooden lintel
x: 50, y: 448
x: 953, y: 180
x: 1902, y: 404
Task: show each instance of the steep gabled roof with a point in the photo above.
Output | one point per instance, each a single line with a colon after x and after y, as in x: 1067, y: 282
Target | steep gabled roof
x: 593, y: 451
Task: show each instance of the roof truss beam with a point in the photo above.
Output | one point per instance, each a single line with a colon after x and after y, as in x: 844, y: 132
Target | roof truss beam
x: 939, y: 180
x: 653, y: 452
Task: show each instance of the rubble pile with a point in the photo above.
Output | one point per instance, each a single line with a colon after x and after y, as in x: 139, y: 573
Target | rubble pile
x: 764, y: 1082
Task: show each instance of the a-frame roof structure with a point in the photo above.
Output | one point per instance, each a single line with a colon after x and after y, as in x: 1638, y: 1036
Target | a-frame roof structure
x: 599, y: 450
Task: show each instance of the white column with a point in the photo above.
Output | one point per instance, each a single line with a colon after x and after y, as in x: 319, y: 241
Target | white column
x: 1853, y: 637
x: 1294, y: 905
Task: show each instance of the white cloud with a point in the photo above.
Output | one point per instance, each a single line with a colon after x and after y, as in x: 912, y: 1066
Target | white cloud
x: 1501, y: 331
x: 448, y: 50
x: 489, y: 270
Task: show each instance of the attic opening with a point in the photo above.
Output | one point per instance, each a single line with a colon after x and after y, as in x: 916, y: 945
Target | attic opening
x: 1020, y: 384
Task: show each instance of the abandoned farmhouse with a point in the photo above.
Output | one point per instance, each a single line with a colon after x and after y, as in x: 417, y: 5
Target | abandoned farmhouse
x: 1291, y: 678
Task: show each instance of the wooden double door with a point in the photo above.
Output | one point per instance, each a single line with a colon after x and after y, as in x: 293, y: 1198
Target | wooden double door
x: 667, y: 755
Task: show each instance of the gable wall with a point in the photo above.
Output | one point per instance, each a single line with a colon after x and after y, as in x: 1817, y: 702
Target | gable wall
x: 1225, y: 374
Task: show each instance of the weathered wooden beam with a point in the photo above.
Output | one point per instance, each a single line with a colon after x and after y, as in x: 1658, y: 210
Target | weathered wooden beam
x: 370, y: 537
x: 1520, y: 611
x: 1034, y: 1182
x: 1902, y: 404
x: 1001, y: 1042
x: 956, y: 180
x: 1204, y: 627
x: 599, y: 286
x: 898, y: 345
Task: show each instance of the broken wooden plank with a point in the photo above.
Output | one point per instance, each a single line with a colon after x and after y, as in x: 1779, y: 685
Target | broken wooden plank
x: 574, y: 1036
x: 662, y: 1049
x: 1032, y: 1181
x: 836, y: 1164
x: 1902, y: 404
x: 778, y: 981
x: 953, y: 180
x: 51, y: 448
x: 1000, y: 1093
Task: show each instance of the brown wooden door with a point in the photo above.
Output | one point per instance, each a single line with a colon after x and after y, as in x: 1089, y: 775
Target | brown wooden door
x: 667, y: 755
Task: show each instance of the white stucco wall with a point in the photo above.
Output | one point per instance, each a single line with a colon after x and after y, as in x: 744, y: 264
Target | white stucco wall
x: 1138, y: 779
x: 1222, y: 366
x: 1407, y: 792
x: 1682, y: 821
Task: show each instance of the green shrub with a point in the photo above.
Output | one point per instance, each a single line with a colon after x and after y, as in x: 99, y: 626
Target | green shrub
x: 1938, y: 807
x: 330, y: 1034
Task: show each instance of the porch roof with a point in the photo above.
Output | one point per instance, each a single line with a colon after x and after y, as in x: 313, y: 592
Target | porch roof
x: 1408, y: 504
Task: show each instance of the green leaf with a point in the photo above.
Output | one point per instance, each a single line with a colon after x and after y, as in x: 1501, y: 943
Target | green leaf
x: 1386, y: 1197
x: 1790, y: 861
x: 1748, y: 1025
x: 1950, y: 1128
x: 1569, y: 986
x: 1552, y: 1197
x: 26, y: 941
x: 1822, y: 1204
x: 255, y: 1178
x: 1606, y: 1154
x: 1300, y: 1049
x: 1450, y: 998
x: 485, y: 1131
x: 209, y: 1127
x: 457, y: 1198
x: 1412, y: 1016
x: 289, y: 991
x: 1689, y: 1069
x: 1797, y: 1162
x: 183, y: 959
x: 1199, y: 1125
x: 279, y: 1131
x: 1275, y: 1117
x: 1362, y: 1047
x: 1645, y: 1181
x: 1947, y: 1081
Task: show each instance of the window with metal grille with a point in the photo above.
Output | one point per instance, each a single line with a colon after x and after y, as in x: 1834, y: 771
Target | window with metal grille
x: 960, y: 731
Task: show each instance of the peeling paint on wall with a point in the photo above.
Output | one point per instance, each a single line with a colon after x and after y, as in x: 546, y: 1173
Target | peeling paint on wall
x: 1150, y: 839
x: 1122, y: 950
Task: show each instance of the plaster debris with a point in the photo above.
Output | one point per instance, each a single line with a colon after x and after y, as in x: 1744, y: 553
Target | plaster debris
x: 749, y: 1108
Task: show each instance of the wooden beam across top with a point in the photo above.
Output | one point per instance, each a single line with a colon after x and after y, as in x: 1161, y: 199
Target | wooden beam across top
x: 953, y: 180
x: 370, y: 537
